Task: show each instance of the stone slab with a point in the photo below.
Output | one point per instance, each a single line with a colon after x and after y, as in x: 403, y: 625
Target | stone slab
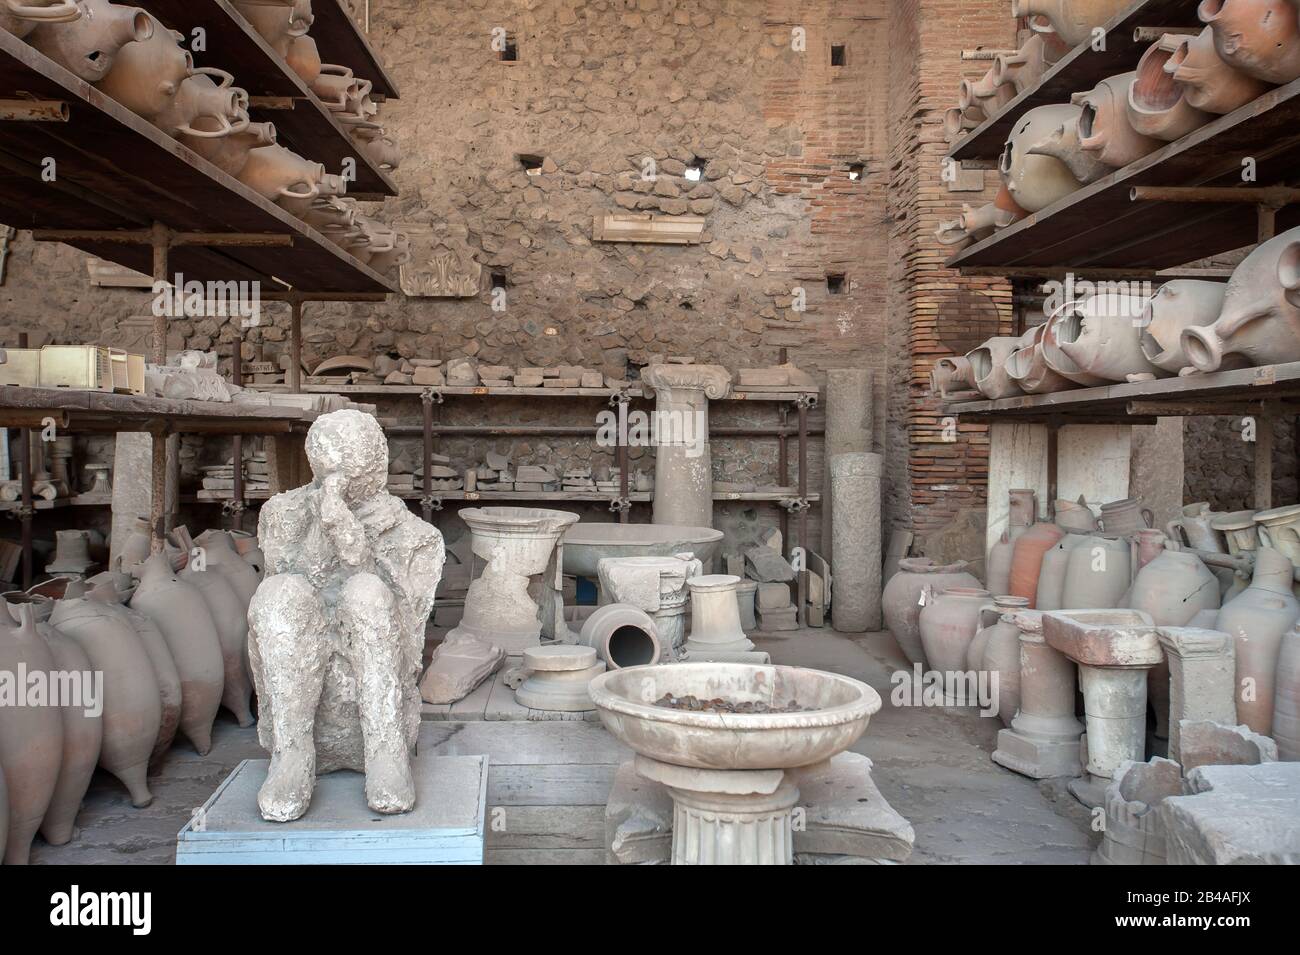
x: 445, y: 828
x: 1236, y: 815
x: 766, y: 565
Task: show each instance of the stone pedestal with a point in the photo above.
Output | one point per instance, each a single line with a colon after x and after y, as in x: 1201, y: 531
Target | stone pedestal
x: 715, y: 617
x: 727, y: 816
x: 849, y: 427
x: 683, y: 492
x: 746, y: 596
x: 1043, y: 739
x: 1202, y: 667
x: 855, y: 495
x: 558, y: 677
x: 1114, y: 649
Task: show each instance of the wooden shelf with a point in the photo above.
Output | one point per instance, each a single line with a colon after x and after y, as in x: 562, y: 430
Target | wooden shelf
x: 104, y: 412
x: 771, y: 496
x: 599, y: 497
x: 116, y: 171
x: 234, y: 46
x: 1221, y: 393
x: 1099, y: 226
x: 1077, y: 72
x: 341, y: 41
x: 397, y: 391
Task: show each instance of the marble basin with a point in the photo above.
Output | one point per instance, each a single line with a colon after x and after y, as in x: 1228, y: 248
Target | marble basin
x: 842, y: 706
x: 528, y: 534
x: 1104, y: 638
x: 586, y: 543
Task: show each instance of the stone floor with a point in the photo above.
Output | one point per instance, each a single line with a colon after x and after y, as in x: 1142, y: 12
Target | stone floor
x: 932, y: 765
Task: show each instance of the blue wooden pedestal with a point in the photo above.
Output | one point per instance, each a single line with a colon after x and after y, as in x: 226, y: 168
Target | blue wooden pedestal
x: 446, y: 827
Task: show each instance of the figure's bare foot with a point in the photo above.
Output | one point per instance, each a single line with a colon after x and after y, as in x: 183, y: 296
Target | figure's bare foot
x: 286, y: 794
x: 390, y: 786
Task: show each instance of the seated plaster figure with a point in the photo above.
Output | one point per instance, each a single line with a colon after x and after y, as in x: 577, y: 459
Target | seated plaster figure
x: 336, y: 629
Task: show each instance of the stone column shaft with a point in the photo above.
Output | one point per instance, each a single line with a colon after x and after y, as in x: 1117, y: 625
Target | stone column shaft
x: 855, y: 493
x: 683, y: 466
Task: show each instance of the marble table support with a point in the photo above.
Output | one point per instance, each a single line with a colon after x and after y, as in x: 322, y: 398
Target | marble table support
x: 683, y: 467
x: 715, y: 617
x: 1202, y: 668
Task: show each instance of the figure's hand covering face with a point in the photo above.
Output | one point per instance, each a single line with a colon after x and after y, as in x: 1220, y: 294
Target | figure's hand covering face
x: 348, y: 454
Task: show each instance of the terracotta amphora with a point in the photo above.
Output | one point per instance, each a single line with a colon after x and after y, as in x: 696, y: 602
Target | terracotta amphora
x: 1104, y: 127
x: 1001, y: 655
x: 303, y: 58
x: 1260, y: 320
x: 951, y: 377
x: 1279, y: 528
x: 132, y: 710
x: 381, y: 149
x: 1063, y: 143
x: 230, y: 153
x: 1208, y: 82
x: 1036, y: 181
x: 1026, y: 66
x: 331, y: 187
x: 1028, y: 368
x: 1157, y: 106
x: 997, y: 565
x: 985, y: 94
x: 1238, y: 530
x: 980, y: 222
x: 207, y: 107
x: 1176, y: 305
x: 182, y: 615
x: 230, y: 615
x: 1027, y: 560
x: 83, y: 738
x: 87, y: 46
x: 146, y: 76
x: 1051, y: 574
x: 1102, y: 337
x: 1193, y: 528
x: 1074, y: 517
x: 338, y: 87
x: 160, y: 656
x: 21, y: 17
x: 957, y: 121
x: 1097, y: 574
x: 1286, y: 698
x: 1261, y: 38
x: 1257, y: 618
x: 278, y: 23
x: 1022, y: 510
x: 1066, y: 319
x: 990, y: 616
x: 1124, y: 517
x: 989, y: 367
x: 1073, y: 20
x: 948, y: 624
x: 219, y: 552
x: 274, y: 172
x: 31, y: 733
x: 386, y: 260
x: 901, y: 599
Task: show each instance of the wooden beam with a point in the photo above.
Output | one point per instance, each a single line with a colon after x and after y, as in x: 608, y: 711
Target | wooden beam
x: 1280, y: 195
x: 1264, y: 459
x: 34, y: 111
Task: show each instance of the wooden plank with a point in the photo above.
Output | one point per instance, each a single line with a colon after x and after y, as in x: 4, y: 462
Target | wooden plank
x: 472, y: 706
x: 544, y: 857
x: 524, y: 744
x: 501, y: 704
x: 116, y: 171
x: 551, y: 785
x: 546, y: 827
x: 1101, y: 226
x: 1077, y: 71
x: 340, y: 40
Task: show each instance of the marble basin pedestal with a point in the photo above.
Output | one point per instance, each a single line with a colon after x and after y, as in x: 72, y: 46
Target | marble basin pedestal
x: 518, y: 598
x: 1043, y: 738
x: 1114, y: 649
x: 715, y: 617
x: 727, y: 773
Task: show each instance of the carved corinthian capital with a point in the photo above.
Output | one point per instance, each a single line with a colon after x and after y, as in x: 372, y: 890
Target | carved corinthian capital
x: 713, y: 380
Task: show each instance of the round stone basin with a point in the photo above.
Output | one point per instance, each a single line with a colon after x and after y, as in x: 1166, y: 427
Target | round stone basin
x: 840, y: 710
x: 528, y: 534
x: 586, y: 543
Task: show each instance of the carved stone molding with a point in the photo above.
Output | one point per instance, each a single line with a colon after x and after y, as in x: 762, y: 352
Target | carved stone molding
x: 442, y: 263
x: 646, y: 227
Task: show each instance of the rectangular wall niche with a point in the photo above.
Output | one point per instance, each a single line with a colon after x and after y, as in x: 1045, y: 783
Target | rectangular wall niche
x: 646, y: 227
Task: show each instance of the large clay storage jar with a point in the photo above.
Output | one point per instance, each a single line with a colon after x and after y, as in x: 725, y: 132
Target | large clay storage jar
x: 1260, y: 38
x: 220, y: 552
x: 1176, y: 305
x: 1260, y: 321
x: 21, y: 17
x: 83, y: 737
x: 1097, y: 574
x: 948, y: 624
x: 989, y: 366
x: 1027, y: 560
x: 1121, y: 518
x: 1208, y: 82
x: 1286, y: 698
x: 182, y: 615
x: 274, y: 172
x: 278, y: 23
x: 1105, y: 130
x: 1156, y: 104
x: 1002, y: 656
x: 901, y: 599
x: 31, y: 736
x: 1051, y: 574
x: 1256, y: 619
x: 132, y: 708
x: 1074, y: 517
x: 990, y: 616
x: 87, y: 46
x: 997, y: 566
x: 1036, y: 181
x: 1193, y: 528
x: 145, y: 77
x: 1238, y: 530
x: 1073, y: 20
x: 160, y: 656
